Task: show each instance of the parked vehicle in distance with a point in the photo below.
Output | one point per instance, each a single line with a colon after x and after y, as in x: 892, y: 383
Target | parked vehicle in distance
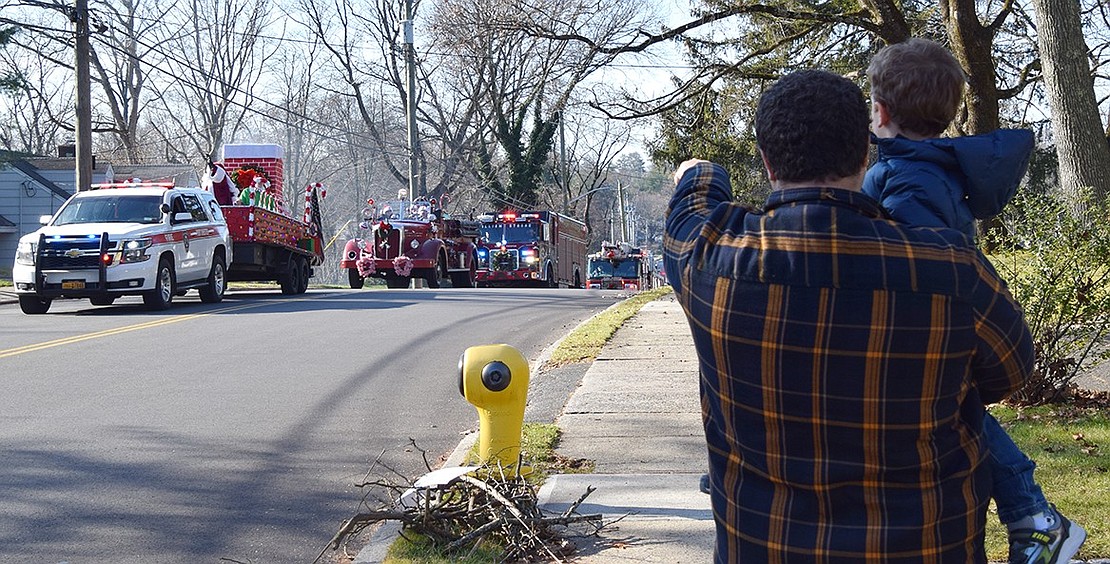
x: 153, y: 240
x: 402, y: 240
x: 532, y: 247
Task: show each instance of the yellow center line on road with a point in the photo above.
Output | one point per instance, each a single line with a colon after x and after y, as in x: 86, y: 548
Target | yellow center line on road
x: 128, y: 328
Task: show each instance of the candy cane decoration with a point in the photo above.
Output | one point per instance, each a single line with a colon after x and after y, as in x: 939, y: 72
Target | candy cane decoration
x: 321, y: 189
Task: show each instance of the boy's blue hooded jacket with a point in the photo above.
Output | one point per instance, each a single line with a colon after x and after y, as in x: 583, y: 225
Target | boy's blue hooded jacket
x: 949, y: 182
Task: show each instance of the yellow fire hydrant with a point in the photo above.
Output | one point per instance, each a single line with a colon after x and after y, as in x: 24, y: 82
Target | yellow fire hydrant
x: 494, y: 378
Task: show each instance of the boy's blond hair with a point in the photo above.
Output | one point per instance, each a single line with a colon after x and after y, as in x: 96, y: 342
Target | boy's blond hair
x: 920, y: 83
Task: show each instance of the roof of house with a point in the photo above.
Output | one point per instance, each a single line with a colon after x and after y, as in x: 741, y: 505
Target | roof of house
x: 6, y: 225
x: 180, y: 174
x: 60, y: 163
x: 32, y: 171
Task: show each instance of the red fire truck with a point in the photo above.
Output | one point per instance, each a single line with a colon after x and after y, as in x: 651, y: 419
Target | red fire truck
x: 533, y: 247
x: 620, y: 267
x: 405, y: 239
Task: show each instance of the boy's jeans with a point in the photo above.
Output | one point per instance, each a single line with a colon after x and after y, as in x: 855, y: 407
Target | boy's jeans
x: 1015, y: 493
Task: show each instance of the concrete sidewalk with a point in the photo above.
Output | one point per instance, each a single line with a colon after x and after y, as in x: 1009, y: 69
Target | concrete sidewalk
x: 637, y: 415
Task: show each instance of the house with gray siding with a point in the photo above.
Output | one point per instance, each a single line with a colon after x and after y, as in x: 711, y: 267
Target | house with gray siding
x: 31, y: 187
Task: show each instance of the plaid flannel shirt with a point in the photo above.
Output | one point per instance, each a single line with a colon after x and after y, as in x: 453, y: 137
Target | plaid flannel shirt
x: 845, y: 362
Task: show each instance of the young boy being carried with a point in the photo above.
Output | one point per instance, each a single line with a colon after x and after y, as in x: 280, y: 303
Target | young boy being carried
x: 925, y: 180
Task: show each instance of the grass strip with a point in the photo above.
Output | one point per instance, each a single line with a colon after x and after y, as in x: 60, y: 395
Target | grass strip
x: 586, y: 341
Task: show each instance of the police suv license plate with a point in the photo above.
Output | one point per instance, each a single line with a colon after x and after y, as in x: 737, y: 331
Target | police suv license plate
x: 73, y: 284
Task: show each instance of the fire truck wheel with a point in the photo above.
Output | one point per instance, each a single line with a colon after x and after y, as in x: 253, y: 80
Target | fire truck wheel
x: 306, y: 273
x: 161, y: 296
x: 290, y: 280
x: 33, y: 305
x: 434, y: 276
x: 356, y: 279
x: 430, y: 276
x: 549, y: 276
x: 464, y: 279
x: 213, y: 290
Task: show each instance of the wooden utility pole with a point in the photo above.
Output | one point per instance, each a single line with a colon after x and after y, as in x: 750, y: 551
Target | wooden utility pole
x: 410, y: 95
x: 83, y: 107
x: 624, y: 220
x: 565, y: 172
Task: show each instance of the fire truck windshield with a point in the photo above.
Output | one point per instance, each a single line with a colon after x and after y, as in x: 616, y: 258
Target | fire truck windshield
x: 510, y: 232
x: 403, y: 209
x: 602, y: 268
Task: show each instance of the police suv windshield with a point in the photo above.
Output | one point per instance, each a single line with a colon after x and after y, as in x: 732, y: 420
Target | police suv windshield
x: 111, y: 209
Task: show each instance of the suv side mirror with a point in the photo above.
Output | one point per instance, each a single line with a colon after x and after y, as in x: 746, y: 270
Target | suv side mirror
x: 44, y: 219
x: 164, y: 208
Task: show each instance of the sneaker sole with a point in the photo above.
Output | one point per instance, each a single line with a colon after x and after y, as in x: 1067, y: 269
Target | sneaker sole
x: 1071, y: 544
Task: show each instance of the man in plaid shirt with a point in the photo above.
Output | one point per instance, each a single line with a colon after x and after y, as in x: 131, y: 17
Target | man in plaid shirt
x: 845, y: 358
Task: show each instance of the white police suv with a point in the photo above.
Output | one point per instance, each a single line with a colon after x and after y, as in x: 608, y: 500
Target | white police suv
x: 154, y: 240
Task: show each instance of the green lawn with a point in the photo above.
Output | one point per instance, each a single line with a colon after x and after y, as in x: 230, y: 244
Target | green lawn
x: 1071, y: 447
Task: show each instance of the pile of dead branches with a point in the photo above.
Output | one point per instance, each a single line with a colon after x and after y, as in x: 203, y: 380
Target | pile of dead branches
x: 460, y: 509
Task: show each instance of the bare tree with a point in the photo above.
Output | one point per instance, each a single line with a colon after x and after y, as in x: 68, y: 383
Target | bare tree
x: 11, y: 80
x: 366, y: 53
x: 118, y: 58
x: 524, y: 76
x: 594, y: 146
x: 38, y: 114
x: 215, y: 53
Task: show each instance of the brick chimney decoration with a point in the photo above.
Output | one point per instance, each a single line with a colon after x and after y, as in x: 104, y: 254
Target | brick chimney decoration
x: 266, y: 157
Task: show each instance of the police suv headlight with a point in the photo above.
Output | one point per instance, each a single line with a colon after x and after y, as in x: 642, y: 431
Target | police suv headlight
x: 134, y: 250
x: 25, y: 253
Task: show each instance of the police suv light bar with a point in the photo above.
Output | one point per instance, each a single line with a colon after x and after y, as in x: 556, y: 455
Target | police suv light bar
x: 105, y: 185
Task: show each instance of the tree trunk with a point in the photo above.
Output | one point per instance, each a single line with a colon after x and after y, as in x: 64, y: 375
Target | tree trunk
x: 971, y: 44
x: 1081, y: 148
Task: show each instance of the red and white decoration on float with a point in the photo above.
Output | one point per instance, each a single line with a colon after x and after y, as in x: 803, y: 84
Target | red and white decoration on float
x: 402, y: 265
x: 312, y: 196
x: 250, y: 178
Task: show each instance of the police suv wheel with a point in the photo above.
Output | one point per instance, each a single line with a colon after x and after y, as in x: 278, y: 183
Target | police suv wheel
x: 161, y: 296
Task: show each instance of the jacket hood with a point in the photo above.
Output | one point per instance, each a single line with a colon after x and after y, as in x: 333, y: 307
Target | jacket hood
x: 992, y: 164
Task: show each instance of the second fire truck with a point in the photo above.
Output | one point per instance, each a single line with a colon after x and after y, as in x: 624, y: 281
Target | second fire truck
x: 620, y: 267
x: 531, y: 247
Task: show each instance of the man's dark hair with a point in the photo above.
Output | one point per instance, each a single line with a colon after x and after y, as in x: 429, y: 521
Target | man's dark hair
x: 813, y: 125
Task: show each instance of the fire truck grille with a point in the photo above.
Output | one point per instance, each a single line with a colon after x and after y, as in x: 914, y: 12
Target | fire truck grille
x: 504, y: 260
x: 387, y: 244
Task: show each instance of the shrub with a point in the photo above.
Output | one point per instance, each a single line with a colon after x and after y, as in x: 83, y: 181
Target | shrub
x: 1054, y: 255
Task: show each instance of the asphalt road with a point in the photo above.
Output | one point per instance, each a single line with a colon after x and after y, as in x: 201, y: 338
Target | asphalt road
x: 237, y: 430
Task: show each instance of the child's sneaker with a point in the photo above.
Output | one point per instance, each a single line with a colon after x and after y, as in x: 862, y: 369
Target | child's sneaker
x: 1055, y: 544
